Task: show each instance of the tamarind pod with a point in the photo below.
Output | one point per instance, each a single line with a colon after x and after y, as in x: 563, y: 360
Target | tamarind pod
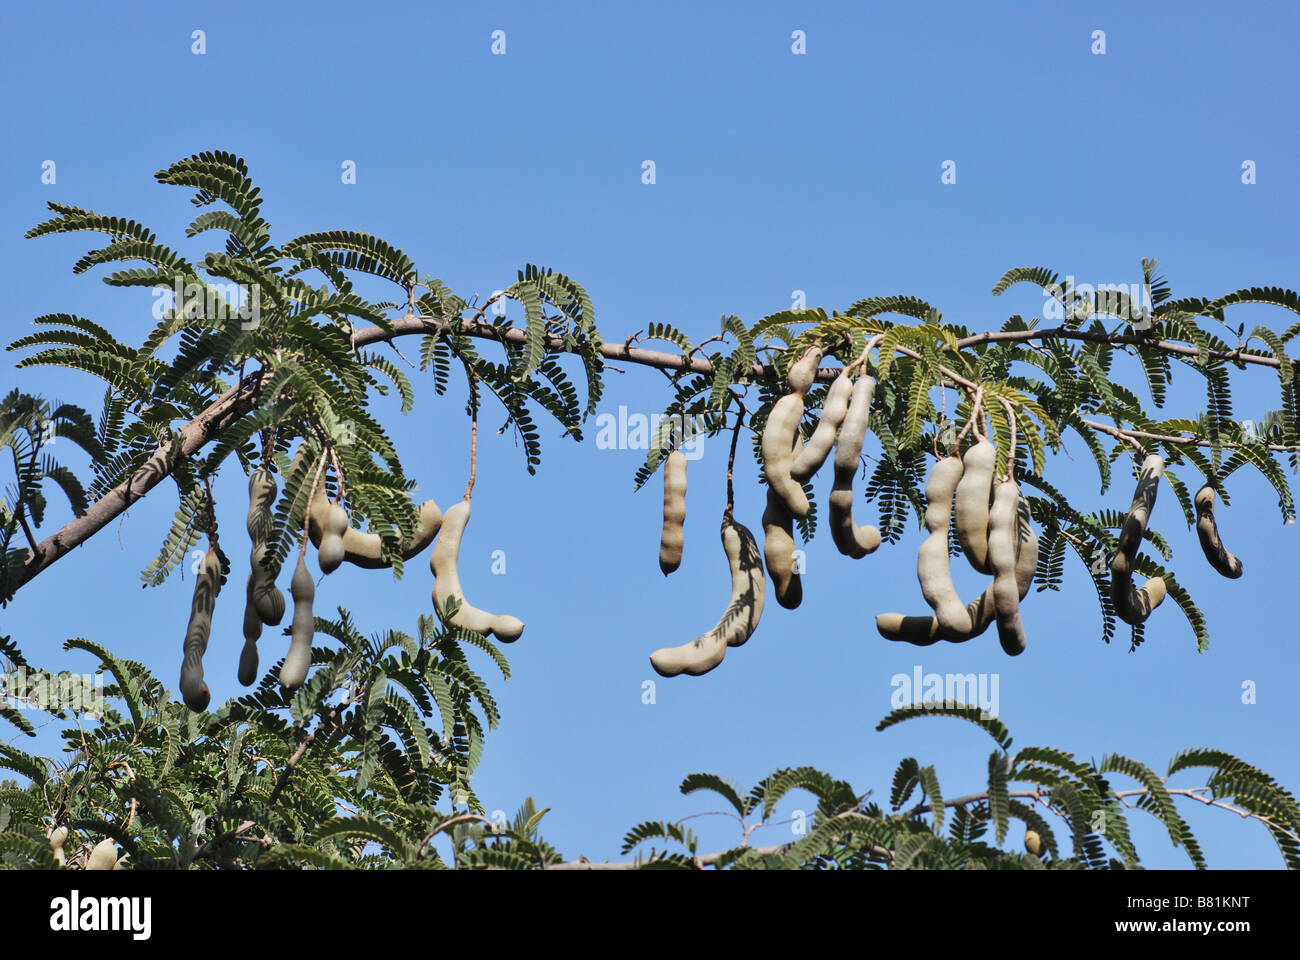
x: 818, y: 447
x: 923, y: 631
x: 803, y: 372
x: 206, y: 585
x: 779, y: 444
x: 1002, y: 530
x: 297, y: 661
x: 252, y: 631
x: 443, y: 562
x: 778, y: 551
x: 1134, y: 605
x: 331, y: 550
x: 268, y: 601
x: 972, y: 504
x: 932, y: 568
x: 58, y: 837
x: 672, y: 539
x: 367, y: 549
x: 262, y: 491
x: 103, y: 856
x: 737, y: 623
x: 1207, y: 530
x: 850, y: 539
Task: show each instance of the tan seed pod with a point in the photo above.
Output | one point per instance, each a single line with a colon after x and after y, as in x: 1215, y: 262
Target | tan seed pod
x: 366, y: 549
x: 1002, y: 536
x: 1033, y: 843
x: 850, y: 539
x: 778, y: 551
x: 1134, y: 605
x: 673, y: 537
x: 252, y: 631
x: 331, y: 551
x: 818, y: 447
x: 206, y: 586
x: 932, y: 568
x: 737, y: 623
x: 1207, y: 531
x: 293, y: 672
x: 267, y: 598
x: 972, y: 504
x: 103, y: 856
x: 803, y: 372
x: 58, y: 837
x: 443, y: 562
x: 779, y: 445
x: 923, y: 631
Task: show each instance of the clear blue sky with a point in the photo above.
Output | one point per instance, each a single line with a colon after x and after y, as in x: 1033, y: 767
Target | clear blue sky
x: 775, y: 173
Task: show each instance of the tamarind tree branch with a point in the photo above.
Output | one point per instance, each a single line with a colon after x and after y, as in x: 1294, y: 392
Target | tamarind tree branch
x: 236, y: 402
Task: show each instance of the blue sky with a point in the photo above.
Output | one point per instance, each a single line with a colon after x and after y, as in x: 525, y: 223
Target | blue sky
x: 775, y: 172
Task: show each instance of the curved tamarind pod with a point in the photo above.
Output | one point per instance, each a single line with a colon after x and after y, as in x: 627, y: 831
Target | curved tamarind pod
x: 267, y: 598
x: 206, y: 585
x: 932, y: 559
x: 780, y: 441
x: 58, y: 837
x: 778, y: 551
x: 818, y: 447
x: 1208, y: 533
x: 1002, y: 542
x: 923, y: 631
x: 252, y: 631
x: 297, y: 661
x: 779, y: 445
x: 737, y: 623
x: 850, y: 539
x: 103, y: 856
x: 803, y: 372
x: 972, y: 507
x: 331, y: 551
x: 672, y: 539
x: 1134, y: 605
x: 446, y: 584
x: 367, y: 549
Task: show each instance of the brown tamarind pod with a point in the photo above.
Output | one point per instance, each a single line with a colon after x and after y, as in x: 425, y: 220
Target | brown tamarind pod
x: 1002, y: 536
x: 1134, y: 605
x: 738, y: 621
x: 297, y: 661
x: 818, y: 447
x: 267, y: 598
x: 932, y: 568
x: 58, y: 837
x: 779, y: 444
x: 673, y: 537
x: 103, y: 856
x: 778, y: 551
x: 252, y: 631
x: 850, y: 539
x: 443, y: 561
x: 206, y: 585
x: 1207, y: 531
x: 972, y: 504
x: 330, y: 553
x: 366, y: 549
x: 923, y: 631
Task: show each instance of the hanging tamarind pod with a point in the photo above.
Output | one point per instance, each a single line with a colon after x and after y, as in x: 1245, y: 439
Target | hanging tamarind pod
x: 1002, y: 543
x: 206, y: 586
x: 1134, y: 605
x: 673, y: 537
x: 267, y: 599
x: 850, y: 539
x: 932, y: 568
x: 779, y: 443
x: 738, y: 621
x: 778, y: 551
x: 446, y: 584
x: 925, y: 630
x: 293, y: 672
x: 818, y: 448
x: 972, y: 504
x: 252, y: 631
x: 366, y: 549
x: 1207, y: 531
